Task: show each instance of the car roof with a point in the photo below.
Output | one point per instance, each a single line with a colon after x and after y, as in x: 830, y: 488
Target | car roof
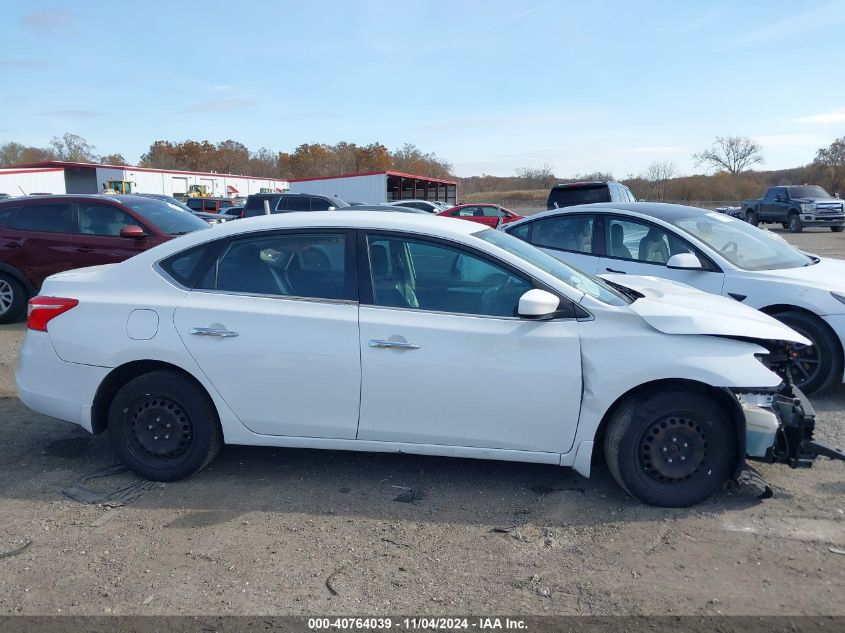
x: 591, y: 183
x: 70, y: 197
x: 660, y: 210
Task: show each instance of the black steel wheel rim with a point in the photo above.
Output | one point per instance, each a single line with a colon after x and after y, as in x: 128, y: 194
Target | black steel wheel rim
x: 160, y: 430
x: 673, y: 449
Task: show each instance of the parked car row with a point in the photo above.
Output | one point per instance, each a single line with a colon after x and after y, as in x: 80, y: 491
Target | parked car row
x: 714, y: 253
x: 363, y: 313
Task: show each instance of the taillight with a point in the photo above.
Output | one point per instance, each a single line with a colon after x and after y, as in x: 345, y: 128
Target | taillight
x: 42, y: 310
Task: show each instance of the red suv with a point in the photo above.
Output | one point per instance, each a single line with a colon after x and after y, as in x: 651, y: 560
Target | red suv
x: 49, y: 234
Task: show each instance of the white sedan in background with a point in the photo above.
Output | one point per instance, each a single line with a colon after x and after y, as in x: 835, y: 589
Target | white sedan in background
x: 407, y: 333
x: 712, y: 252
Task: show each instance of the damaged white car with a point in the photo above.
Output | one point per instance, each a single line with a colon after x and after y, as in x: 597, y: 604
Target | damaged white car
x: 404, y: 333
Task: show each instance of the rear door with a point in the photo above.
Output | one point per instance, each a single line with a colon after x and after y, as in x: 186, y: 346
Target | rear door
x: 97, y: 240
x: 41, y: 238
x: 571, y: 238
x: 274, y: 326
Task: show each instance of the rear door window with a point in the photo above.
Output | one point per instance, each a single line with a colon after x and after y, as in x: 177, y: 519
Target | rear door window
x: 566, y: 233
x: 320, y: 204
x: 8, y: 215
x: 47, y: 218
x: 194, y: 203
x: 298, y: 203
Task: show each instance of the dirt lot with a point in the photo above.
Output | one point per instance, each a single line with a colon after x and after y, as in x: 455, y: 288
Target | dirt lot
x: 271, y: 531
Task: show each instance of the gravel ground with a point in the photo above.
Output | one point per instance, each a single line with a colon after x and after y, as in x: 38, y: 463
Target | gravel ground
x: 277, y: 531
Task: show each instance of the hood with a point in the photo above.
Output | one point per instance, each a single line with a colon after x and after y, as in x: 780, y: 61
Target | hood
x: 826, y: 274
x: 675, y: 308
x: 828, y: 200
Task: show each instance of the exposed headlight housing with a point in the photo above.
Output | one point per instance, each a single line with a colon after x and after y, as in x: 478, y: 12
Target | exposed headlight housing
x: 808, y: 207
x: 840, y: 297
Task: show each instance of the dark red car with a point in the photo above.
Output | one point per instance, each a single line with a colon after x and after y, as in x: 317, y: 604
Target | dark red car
x: 490, y: 214
x: 43, y: 235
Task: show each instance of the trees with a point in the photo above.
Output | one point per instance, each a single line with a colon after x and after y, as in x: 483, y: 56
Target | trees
x: 733, y: 154
x: 830, y: 165
x: 536, y: 177
x: 73, y: 148
x: 112, y: 159
x: 12, y: 153
x: 658, y: 174
x: 410, y: 159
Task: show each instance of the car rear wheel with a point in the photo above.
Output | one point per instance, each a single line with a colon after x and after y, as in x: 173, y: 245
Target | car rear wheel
x: 671, y: 449
x: 817, y: 364
x: 837, y: 229
x: 163, y: 426
x: 793, y: 222
x: 13, y: 298
x: 751, y: 218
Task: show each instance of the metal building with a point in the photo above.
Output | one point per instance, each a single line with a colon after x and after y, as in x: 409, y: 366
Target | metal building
x: 65, y: 177
x: 377, y: 187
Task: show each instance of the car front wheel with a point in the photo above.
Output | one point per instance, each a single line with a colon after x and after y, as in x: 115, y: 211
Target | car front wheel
x: 816, y: 365
x: 794, y: 223
x: 672, y: 449
x: 163, y: 426
x: 751, y: 218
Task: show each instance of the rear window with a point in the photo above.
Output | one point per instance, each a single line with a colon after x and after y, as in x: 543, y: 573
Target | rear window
x: 577, y: 194
x: 47, y: 218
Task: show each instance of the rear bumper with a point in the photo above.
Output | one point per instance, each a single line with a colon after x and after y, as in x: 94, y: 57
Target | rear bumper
x: 49, y: 385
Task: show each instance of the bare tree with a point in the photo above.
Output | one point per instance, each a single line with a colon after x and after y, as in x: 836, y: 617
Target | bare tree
x: 536, y: 177
x: 658, y: 174
x: 830, y: 161
x: 73, y: 148
x: 733, y: 154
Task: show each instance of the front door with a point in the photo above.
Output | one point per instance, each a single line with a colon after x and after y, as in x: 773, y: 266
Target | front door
x: 637, y: 247
x: 446, y: 361
x: 274, y: 327
x: 98, y: 239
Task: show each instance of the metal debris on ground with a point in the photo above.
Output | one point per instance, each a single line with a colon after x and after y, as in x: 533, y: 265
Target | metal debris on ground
x: 112, y: 498
x: 751, y: 483
x: 836, y: 550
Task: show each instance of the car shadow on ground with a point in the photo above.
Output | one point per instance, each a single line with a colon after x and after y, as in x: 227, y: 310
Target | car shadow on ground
x: 40, y: 457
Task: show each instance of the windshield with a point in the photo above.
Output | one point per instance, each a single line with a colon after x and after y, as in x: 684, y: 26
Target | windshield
x: 808, y: 191
x: 592, y: 286
x: 168, y: 217
x: 741, y: 244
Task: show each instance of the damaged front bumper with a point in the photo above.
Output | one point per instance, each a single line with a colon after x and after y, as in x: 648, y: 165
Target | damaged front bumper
x: 779, y: 428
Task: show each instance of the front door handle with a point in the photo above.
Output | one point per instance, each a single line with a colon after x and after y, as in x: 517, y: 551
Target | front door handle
x: 620, y: 272
x: 392, y: 344
x: 208, y: 331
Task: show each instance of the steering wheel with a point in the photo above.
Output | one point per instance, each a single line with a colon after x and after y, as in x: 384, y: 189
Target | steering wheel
x: 730, y: 247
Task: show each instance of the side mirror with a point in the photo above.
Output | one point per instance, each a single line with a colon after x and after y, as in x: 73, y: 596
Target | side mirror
x: 133, y: 231
x: 536, y: 304
x: 684, y: 261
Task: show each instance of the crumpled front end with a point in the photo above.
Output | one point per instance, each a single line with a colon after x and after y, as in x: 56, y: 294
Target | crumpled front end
x: 779, y: 422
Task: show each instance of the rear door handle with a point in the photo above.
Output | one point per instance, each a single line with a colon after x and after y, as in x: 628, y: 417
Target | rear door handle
x: 620, y: 272
x: 84, y: 249
x: 12, y: 245
x: 378, y: 343
x: 208, y: 331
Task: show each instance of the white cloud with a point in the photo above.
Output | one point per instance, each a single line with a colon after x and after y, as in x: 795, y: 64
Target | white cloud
x: 834, y: 116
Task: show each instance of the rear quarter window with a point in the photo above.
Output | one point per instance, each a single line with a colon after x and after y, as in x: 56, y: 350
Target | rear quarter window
x: 186, y: 267
x: 46, y: 218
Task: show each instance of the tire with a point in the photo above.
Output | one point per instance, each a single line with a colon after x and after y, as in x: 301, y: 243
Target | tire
x: 837, y: 229
x: 785, y: 225
x: 137, y: 426
x: 13, y: 298
x: 793, y: 223
x: 751, y: 218
x: 649, y: 465
x: 824, y: 353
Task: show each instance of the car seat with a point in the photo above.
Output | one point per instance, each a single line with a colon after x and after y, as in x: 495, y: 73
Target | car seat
x: 653, y: 247
x: 617, y: 242
x: 243, y: 270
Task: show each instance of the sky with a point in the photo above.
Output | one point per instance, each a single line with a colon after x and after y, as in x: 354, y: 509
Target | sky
x: 490, y: 86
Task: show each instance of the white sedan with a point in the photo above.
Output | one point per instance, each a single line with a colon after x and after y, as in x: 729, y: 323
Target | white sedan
x: 712, y: 252
x: 407, y: 333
